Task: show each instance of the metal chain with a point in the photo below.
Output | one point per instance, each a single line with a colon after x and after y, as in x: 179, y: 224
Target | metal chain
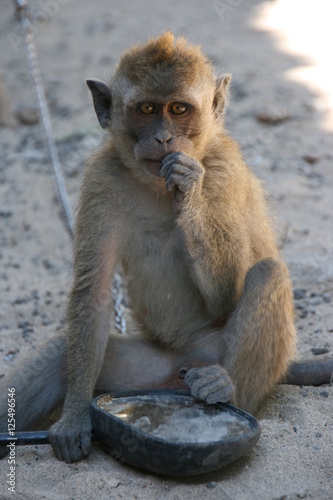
x: 45, y: 120
x: 32, y: 59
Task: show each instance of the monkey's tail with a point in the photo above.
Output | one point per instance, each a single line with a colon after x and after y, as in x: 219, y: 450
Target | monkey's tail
x: 36, y: 388
x: 309, y: 372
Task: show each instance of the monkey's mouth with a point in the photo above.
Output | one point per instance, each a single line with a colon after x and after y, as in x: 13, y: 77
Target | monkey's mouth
x: 153, y: 166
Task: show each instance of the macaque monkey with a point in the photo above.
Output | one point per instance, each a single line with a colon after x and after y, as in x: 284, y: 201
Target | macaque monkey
x: 168, y: 198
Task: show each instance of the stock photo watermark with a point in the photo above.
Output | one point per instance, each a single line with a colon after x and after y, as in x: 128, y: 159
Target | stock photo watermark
x: 11, y: 474
x: 38, y: 18
x: 225, y: 7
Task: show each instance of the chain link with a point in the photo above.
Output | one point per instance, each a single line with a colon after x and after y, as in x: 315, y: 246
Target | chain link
x: 118, y: 299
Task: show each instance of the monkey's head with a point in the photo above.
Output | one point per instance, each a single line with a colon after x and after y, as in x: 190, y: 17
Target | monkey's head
x: 163, y: 98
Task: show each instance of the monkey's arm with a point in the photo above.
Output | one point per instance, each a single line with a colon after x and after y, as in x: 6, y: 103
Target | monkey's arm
x: 88, y: 318
x: 211, y: 217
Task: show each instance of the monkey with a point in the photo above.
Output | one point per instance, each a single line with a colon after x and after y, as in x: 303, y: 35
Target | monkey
x: 169, y: 199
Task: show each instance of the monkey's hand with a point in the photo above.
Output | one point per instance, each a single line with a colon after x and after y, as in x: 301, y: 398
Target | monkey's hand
x: 183, y: 173
x: 70, y: 437
x: 210, y: 383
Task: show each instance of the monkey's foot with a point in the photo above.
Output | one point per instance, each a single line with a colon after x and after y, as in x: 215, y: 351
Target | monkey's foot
x: 210, y: 383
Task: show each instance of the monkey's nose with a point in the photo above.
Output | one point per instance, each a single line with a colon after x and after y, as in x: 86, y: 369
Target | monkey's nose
x: 163, y: 137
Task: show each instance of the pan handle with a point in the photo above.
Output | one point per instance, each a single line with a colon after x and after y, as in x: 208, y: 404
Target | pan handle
x: 36, y: 437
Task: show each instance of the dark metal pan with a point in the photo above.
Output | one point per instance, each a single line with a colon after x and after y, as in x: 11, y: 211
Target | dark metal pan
x: 145, y: 449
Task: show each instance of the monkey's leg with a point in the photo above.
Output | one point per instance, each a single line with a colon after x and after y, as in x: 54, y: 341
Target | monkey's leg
x: 256, y: 345
x: 260, y: 336
x: 132, y: 362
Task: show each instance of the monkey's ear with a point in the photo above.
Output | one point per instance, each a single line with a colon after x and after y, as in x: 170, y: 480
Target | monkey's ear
x: 102, y: 101
x: 221, y: 91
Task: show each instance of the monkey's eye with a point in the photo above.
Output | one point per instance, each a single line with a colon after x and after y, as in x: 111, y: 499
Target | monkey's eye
x: 178, y: 108
x: 147, y: 108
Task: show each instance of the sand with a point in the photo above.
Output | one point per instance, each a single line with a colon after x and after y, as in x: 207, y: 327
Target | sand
x: 282, y: 128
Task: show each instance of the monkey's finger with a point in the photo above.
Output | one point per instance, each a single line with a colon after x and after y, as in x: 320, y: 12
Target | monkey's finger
x: 203, y: 386
x: 221, y: 395
x: 220, y: 390
x: 170, y: 160
x: 179, y: 195
x: 176, y: 170
x: 180, y: 159
x: 85, y: 443
x: 184, y: 182
x: 66, y: 452
x: 172, y: 182
x: 74, y: 449
x: 178, y: 155
x: 189, y: 176
x: 190, y: 163
x: 214, y: 371
x: 165, y: 168
x: 191, y: 375
x: 58, y: 445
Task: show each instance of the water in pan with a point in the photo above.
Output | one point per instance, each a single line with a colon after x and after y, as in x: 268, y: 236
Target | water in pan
x: 184, y: 422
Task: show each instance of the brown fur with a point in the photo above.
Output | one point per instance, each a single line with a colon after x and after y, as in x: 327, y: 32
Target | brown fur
x: 175, y: 60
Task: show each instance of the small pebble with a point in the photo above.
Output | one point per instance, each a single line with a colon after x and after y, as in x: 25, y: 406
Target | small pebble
x: 26, y: 334
x: 9, y: 357
x: 20, y: 300
x: 299, y: 293
x: 324, y: 394
x: 35, y: 294
x: 271, y: 118
x: 46, y: 321
x: 327, y: 297
x: 27, y: 331
x: 303, y: 314
x: 316, y: 301
x: 49, y: 265
x: 5, y: 214
x: 304, y: 391
x: 319, y: 350
x: 27, y: 115
x: 211, y: 485
x: 23, y: 324
x: 10, y: 354
x: 311, y: 158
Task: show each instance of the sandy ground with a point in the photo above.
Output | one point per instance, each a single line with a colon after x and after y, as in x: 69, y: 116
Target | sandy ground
x: 79, y: 39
